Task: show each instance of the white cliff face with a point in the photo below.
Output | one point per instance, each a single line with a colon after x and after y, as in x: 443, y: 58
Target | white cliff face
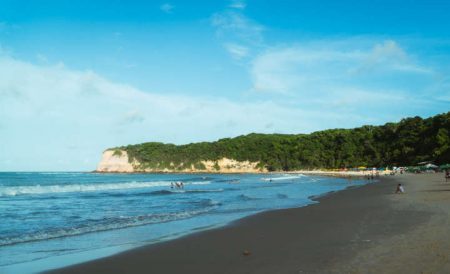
x: 115, y: 161
x: 118, y: 161
x: 232, y: 166
x: 223, y: 165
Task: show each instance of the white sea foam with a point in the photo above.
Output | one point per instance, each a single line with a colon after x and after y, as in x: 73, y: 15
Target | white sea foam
x: 200, y: 183
x: 107, y: 224
x: 284, y: 178
x: 46, y: 189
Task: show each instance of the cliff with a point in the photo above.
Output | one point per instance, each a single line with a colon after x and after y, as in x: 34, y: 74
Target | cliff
x: 118, y: 161
x: 406, y: 143
x: 115, y: 161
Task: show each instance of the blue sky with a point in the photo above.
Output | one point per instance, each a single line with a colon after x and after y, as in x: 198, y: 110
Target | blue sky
x: 77, y: 77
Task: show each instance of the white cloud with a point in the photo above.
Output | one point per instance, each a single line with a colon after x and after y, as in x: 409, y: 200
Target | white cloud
x: 390, y: 55
x: 237, y: 51
x: 235, y: 26
x: 167, y: 8
x: 134, y: 116
x: 323, y: 68
x: 41, y: 58
x: 238, y: 4
x: 240, y: 36
x: 363, y: 80
x: 44, y: 109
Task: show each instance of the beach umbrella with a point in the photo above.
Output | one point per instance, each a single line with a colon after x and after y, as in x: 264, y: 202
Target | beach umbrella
x: 446, y: 166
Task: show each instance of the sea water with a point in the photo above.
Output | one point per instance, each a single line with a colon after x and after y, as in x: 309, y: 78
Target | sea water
x: 51, y: 220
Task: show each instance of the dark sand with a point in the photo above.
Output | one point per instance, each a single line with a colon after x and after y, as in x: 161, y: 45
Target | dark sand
x: 361, y: 230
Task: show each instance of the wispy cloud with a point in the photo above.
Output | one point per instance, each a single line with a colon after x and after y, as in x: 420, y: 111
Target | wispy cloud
x: 237, y: 51
x: 235, y: 26
x: 323, y: 67
x: 389, y: 54
x: 238, y: 4
x: 133, y: 116
x: 41, y: 58
x: 239, y: 34
x: 329, y: 69
x: 167, y: 8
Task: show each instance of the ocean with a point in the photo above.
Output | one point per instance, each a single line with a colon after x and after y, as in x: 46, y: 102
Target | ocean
x: 55, y: 219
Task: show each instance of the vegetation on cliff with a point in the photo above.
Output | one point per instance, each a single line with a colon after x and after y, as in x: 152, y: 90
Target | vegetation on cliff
x: 408, y: 142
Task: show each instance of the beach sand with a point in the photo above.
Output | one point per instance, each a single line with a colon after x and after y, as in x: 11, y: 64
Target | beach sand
x: 360, y: 230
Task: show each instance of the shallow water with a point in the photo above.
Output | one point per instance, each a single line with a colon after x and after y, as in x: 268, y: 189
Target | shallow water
x: 56, y: 219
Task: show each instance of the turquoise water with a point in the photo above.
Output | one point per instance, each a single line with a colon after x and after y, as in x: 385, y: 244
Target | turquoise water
x: 56, y: 219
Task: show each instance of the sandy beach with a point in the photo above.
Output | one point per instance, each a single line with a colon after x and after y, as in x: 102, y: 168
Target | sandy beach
x: 361, y: 230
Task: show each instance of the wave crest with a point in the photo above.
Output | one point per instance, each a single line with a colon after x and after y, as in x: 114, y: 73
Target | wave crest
x: 46, y: 189
x: 110, y: 224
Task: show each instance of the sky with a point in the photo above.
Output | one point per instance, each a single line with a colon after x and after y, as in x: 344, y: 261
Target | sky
x: 78, y: 77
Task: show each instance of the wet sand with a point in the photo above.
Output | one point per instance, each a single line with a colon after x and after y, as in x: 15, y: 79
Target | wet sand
x: 361, y: 230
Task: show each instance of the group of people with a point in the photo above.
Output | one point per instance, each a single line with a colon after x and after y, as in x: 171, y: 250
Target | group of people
x: 178, y: 185
x: 370, y: 176
x: 373, y: 175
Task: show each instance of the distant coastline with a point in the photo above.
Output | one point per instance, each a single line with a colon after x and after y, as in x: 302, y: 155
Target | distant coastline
x: 406, y: 143
x: 114, y: 163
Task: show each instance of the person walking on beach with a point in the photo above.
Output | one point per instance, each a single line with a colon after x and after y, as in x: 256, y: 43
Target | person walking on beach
x: 400, y: 189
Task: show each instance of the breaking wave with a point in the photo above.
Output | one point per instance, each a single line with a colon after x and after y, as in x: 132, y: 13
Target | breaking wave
x: 283, y: 178
x: 46, y: 189
x: 109, y: 224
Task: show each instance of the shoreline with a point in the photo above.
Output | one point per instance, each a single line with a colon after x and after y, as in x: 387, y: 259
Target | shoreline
x: 327, y: 237
x: 315, y: 199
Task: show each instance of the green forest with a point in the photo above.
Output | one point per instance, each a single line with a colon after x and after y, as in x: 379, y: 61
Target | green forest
x: 406, y: 143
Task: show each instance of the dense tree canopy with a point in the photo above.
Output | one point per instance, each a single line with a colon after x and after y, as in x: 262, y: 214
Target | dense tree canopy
x: 408, y: 142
